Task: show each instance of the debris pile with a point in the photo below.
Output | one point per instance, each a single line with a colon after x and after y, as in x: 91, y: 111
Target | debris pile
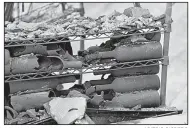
x: 133, y: 87
x: 127, y: 20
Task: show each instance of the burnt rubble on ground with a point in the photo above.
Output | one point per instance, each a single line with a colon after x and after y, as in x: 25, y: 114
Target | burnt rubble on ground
x: 133, y: 89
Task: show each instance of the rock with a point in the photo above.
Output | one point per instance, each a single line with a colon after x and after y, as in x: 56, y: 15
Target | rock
x: 85, y: 120
x: 66, y: 110
x: 75, y: 93
x: 97, y: 100
x: 137, y: 12
x: 90, y: 90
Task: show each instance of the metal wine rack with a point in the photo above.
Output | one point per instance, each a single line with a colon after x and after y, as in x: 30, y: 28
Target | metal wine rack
x: 75, y: 37
x: 122, y: 32
x: 83, y: 70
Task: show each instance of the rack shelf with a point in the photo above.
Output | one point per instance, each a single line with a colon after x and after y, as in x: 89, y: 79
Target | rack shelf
x: 74, y: 37
x: 83, y: 70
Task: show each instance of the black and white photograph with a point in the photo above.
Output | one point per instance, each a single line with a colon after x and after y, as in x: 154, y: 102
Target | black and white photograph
x: 95, y: 63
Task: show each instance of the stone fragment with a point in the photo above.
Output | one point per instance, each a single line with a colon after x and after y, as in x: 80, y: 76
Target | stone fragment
x: 66, y: 110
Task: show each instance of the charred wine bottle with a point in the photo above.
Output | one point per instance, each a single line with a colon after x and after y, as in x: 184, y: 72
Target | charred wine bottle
x: 145, y: 99
x: 144, y: 70
x: 131, y: 53
x: 39, y: 83
x: 129, y: 84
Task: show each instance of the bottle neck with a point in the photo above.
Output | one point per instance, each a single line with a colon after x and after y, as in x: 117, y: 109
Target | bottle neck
x: 103, y: 87
x: 100, y: 72
x: 108, y: 54
x: 100, y: 82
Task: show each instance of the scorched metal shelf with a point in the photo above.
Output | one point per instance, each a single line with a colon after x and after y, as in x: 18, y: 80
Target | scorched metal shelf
x: 84, y: 70
x: 86, y: 36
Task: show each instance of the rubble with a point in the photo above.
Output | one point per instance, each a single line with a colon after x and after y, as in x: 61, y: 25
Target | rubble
x: 66, y: 110
x: 97, y: 100
x: 79, y: 25
x: 133, y: 93
x: 85, y: 120
x: 137, y: 12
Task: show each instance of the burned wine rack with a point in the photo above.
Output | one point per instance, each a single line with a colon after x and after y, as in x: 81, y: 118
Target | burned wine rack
x: 89, y: 69
x: 123, y: 32
x: 88, y: 36
x: 85, y: 69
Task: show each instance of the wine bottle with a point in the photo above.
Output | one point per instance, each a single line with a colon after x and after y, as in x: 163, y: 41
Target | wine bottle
x: 7, y: 56
x: 132, y: 83
x: 101, y: 82
x: 32, y: 63
x: 131, y: 53
x: 7, y: 69
x: 152, y: 69
x: 29, y: 101
x: 145, y: 99
x: 39, y: 83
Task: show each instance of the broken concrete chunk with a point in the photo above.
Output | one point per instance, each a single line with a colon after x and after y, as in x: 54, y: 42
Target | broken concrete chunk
x: 66, y: 110
x: 97, y: 100
x: 39, y: 83
x: 85, y: 120
x: 82, y: 121
x: 137, y: 12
